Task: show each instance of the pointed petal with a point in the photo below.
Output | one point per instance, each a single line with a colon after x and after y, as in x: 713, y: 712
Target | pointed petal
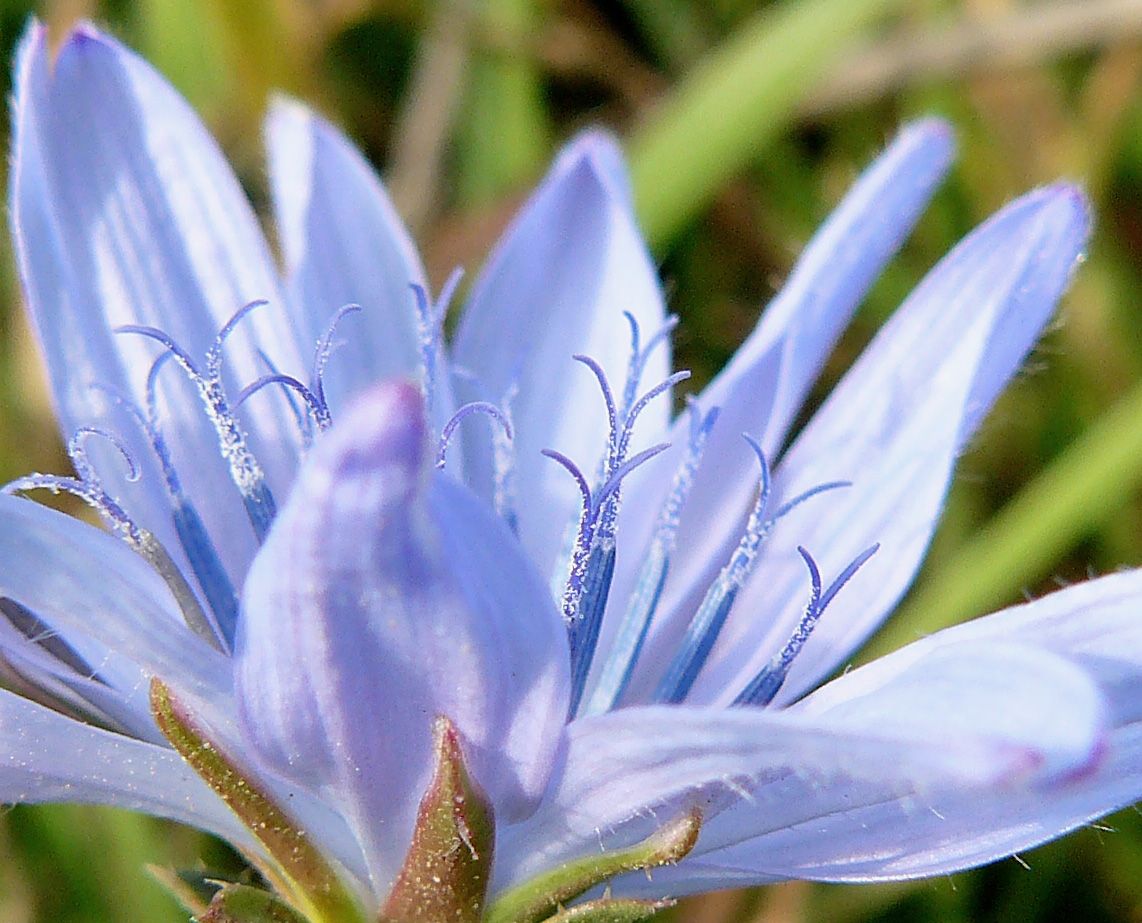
x: 379, y: 602
x: 137, y: 219
x: 894, y: 427
x: 765, y: 383
x: 100, y: 595
x: 555, y: 286
x: 831, y: 278
x: 750, y: 770
x: 343, y: 244
x: 863, y: 837
x: 47, y: 757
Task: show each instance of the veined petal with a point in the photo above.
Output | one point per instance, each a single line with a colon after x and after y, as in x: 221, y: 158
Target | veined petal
x: 858, y: 835
x: 894, y: 427
x: 45, y: 756
x: 74, y: 674
x: 765, y: 383
x: 124, y: 212
x: 752, y: 771
x: 1096, y: 624
x: 831, y: 277
x: 98, y: 594
x: 556, y: 286
x: 343, y: 243
x: 380, y: 601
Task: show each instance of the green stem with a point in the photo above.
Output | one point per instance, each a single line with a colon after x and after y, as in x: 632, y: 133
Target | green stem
x: 1084, y: 487
x: 734, y: 102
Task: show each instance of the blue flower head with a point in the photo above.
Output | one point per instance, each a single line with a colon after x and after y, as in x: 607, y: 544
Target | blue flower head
x: 470, y: 629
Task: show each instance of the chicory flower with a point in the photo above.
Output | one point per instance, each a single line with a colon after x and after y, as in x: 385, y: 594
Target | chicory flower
x: 465, y: 630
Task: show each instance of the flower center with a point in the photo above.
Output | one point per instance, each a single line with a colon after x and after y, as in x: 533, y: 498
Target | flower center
x: 583, y: 577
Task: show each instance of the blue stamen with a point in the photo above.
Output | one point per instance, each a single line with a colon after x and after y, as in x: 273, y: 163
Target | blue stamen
x: 89, y: 488
x: 661, y: 335
x: 627, y: 645
x: 584, y: 598
x: 612, y: 410
x: 430, y: 326
x: 82, y: 464
x: 214, y: 351
x: 611, y: 486
x: 639, y: 356
x: 847, y: 574
x: 324, y: 350
x: 244, y: 468
x: 583, y: 635
x: 483, y: 407
x: 632, y: 414
x: 808, y: 494
x: 701, y: 634
x: 634, y: 365
x: 576, y: 545
x: 704, y: 628
x: 590, y: 553
x: 195, y: 540
x: 303, y: 419
x: 207, y: 567
x: 91, y: 494
x: 314, y: 402
x: 584, y: 534
x: 313, y: 394
x: 763, y: 687
x: 503, y: 463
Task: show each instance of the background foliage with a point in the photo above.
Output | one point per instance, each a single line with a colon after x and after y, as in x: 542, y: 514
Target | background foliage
x: 745, y: 121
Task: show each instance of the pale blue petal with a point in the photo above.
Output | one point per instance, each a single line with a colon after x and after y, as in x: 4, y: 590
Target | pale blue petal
x: 343, y: 243
x: 124, y: 212
x: 100, y: 595
x: 45, y: 756
x: 929, y: 725
x: 894, y: 427
x: 80, y: 677
x: 858, y: 835
x: 765, y: 383
x: 1097, y: 624
x: 557, y: 285
x: 381, y: 599
x: 830, y: 280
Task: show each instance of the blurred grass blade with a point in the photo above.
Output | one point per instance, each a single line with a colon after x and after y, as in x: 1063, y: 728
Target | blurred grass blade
x: 735, y: 101
x: 504, y: 136
x: 1086, y: 486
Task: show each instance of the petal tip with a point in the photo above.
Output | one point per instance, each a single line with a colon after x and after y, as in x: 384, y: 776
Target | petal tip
x: 282, y: 106
x: 85, y: 34
x: 385, y: 426
x: 934, y: 132
x: 1072, y: 203
x: 598, y: 151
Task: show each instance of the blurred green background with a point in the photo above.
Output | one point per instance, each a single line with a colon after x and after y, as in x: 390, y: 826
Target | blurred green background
x: 745, y: 121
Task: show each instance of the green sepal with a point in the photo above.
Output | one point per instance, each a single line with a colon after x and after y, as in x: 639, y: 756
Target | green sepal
x: 303, y: 875
x: 445, y: 874
x: 192, y: 890
x: 609, y: 910
x: 544, y: 895
x: 243, y: 904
